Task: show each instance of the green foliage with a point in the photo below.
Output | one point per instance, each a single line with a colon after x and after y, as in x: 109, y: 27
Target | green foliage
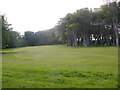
x: 67, y: 44
x: 29, y: 38
x: 0, y: 32
x: 86, y: 24
x: 84, y: 27
x: 10, y: 39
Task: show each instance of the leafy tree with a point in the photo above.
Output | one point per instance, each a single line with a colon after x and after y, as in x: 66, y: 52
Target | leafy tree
x: 9, y: 37
x: 29, y: 38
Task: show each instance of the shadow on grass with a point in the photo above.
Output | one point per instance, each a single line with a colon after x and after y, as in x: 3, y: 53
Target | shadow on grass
x: 10, y: 52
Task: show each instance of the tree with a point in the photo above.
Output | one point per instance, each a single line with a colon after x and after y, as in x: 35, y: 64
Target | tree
x: 29, y: 38
x: 5, y: 32
x: 85, y: 27
x: 0, y: 31
x: 10, y: 39
x: 111, y: 10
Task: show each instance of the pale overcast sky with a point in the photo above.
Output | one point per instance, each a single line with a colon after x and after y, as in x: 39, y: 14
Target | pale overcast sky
x: 37, y: 15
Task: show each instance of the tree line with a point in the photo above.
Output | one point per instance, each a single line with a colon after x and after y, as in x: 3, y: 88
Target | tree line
x: 87, y: 27
x: 84, y: 27
x: 13, y: 39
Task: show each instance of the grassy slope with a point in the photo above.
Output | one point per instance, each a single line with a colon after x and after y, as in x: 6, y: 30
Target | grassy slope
x: 60, y: 66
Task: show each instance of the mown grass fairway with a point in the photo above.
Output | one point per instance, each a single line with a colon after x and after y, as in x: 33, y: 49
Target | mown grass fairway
x: 60, y: 67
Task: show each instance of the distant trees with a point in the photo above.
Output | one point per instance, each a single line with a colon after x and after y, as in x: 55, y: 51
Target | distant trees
x: 12, y: 39
x: 85, y: 27
x: 46, y: 37
x: 29, y: 38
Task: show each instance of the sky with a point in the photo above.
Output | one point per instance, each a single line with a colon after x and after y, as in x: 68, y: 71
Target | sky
x: 37, y: 15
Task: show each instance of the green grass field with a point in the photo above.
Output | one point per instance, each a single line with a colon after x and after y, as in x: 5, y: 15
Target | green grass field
x: 60, y: 67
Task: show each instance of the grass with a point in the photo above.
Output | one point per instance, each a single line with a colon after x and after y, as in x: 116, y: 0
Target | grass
x: 60, y: 67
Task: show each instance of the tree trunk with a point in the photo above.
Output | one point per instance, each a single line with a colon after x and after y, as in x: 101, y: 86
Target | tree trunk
x: 71, y: 42
x: 74, y: 38
x: 108, y: 41
x: 78, y: 42
x: 116, y: 34
x: 85, y: 40
x: 101, y: 40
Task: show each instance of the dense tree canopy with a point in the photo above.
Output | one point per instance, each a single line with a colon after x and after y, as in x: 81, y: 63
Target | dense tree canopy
x: 85, y: 27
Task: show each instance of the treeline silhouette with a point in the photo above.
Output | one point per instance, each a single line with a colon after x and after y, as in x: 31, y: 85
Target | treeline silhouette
x: 85, y: 27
